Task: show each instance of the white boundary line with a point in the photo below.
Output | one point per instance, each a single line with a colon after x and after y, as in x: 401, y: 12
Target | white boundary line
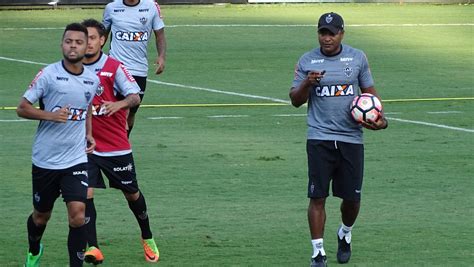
x: 272, y: 25
x: 220, y: 91
x: 23, y: 61
x: 227, y: 116
x: 15, y: 120
x: 258, y: 97
x: 433, y: 125
x: 444, y: 112
x: 165, y: 118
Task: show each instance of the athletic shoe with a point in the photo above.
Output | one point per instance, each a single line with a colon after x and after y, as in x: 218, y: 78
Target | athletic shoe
x: 343, y: 250
x: 319, y: 261
x: 93, y: 255
x: 151, y: 250
x: 34, y: 261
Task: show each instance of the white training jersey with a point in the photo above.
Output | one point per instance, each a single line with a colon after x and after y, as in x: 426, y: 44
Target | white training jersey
x: 61, y: 145
x: 131, y: 28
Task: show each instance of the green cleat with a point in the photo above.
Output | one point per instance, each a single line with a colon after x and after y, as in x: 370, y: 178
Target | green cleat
x: 151, y: 250
x: 34, y: 260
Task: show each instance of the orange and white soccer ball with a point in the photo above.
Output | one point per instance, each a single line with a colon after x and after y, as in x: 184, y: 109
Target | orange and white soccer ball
x: 366, y: 107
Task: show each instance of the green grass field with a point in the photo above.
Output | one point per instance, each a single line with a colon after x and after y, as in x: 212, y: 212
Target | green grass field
x: 231, y: 190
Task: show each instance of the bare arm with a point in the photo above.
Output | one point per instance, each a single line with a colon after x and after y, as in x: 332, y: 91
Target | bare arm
x: 26, y: 110
x: 299, y: 95
x: 90, y: 139
x: 130, y: 101
x: 161, y: 49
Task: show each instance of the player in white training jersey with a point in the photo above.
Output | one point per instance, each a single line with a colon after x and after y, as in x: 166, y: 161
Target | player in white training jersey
x: 131, y: 24
x: 64, y: 91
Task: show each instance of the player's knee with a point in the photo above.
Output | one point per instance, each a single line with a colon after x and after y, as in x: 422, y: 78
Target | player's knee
x: 132, y: 196
x: 76, y: 219
x: 352, y: 204
x: 41, y: 218
x: 317, y: 203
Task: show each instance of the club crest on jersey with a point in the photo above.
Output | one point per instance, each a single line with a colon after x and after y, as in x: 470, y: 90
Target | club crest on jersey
x: 132, y: 36
x: 88, y: 96
x: 334, y: 90
x: 143, y: 20
x: 348, y: 71
x: 100, y: 90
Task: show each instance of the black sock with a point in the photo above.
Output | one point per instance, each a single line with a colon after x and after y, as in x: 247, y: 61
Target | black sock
x: 35, y: 233
x: 76, y: 244
x: 138, y: 207
x: 91, y: 217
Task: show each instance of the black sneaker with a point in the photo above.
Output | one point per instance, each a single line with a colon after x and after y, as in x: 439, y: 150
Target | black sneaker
x: 343, y: 250
x: 319, y: 261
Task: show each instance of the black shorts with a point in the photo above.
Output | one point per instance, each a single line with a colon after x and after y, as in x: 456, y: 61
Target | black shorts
x: 341, y: 162
x: 48, y: 184
x: 141, y: 81
x: 120, y: 170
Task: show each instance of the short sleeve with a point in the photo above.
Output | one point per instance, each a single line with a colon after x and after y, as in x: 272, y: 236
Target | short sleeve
x: 37, y: 88
x: 157, y: 18
x: 107, y: 18
x: 124, y: 82
x: 365, y: 76
x: 300, y: 74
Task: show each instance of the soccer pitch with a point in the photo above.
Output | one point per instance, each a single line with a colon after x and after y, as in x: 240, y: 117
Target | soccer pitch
x: 220, y: 154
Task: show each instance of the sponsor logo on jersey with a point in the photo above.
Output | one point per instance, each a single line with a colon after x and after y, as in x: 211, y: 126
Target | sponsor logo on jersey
x: 317, y: 61
x: 346, y: 59
x: 106, y: 74
x: 143, y: 20
x: 98, y: 110
x: 35, y: 79
x: 119, y: 10
x: 334, y: 90
x: 88, y: 82
x: 59, y: 78
x: 128, y: 168
x: 348, y: 71
x: 77, y: 114
x: 132, y: 36
x: 143, y: 10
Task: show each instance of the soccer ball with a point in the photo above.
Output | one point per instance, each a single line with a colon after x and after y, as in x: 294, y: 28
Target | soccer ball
x: 366, y: 107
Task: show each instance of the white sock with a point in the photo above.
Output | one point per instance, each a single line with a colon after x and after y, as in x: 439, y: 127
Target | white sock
x: 345, y: 231
x: 318, y: 247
